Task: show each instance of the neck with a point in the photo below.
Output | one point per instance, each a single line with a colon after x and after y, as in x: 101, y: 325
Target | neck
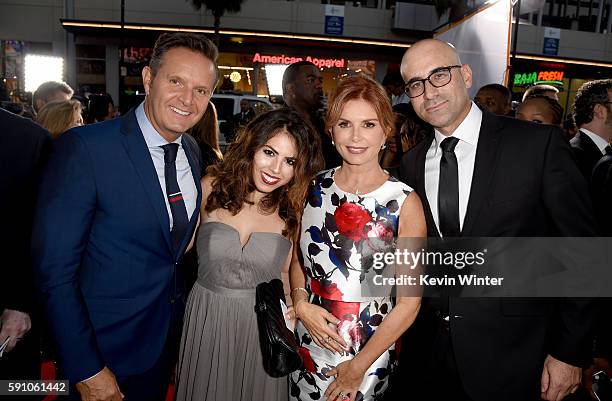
x: 168, y: 136
x: 361, y: 178
x: 446, y: 131
x: 598, y: 130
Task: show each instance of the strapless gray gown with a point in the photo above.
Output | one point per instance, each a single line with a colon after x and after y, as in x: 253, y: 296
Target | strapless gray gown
x: 220, y: 358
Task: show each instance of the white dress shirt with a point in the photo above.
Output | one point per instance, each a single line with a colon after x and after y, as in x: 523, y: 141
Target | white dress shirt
x: 467, y: 133
x: 183, y: 170
x: 599, y: 141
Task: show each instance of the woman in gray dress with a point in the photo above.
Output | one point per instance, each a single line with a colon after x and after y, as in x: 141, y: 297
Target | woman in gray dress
x: 248, y: 223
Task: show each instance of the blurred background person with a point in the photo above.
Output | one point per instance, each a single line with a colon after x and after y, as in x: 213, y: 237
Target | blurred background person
x: 593, y: 117
x: 23, y: 149
x: 542, y: 89
x: 409, y: 130
x: 100, y: 107
x: 59, y: 116
x: 206, y: 133
x: 50, y: 91
x: 394, y: 86
x: 540, y: 109
x: 494, y: 98
x: 303, y: 92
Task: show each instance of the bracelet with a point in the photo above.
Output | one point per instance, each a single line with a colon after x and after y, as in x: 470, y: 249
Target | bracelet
x: 300, y: 288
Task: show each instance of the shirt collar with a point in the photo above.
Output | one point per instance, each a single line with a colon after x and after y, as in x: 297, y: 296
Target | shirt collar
x: 151, y: 136
x: 599, y: 141
x: 469, y: 129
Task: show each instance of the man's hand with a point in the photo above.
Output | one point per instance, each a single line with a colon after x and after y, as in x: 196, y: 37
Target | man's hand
x: 14, y: 324
x: 101, y: 387
x: 587, y: 377
x: 559, y: 379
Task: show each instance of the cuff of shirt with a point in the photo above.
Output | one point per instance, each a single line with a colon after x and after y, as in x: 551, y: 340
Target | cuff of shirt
x: 91, y: 376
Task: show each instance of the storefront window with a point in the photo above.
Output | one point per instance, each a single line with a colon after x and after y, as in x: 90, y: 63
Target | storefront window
x: 91, y: 69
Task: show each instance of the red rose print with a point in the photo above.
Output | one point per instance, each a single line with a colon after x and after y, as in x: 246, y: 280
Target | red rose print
x: 383, y: 231
x: 307, y: 359
x: 345, y: 310
x: 327, y: 289
x: 351, y: 220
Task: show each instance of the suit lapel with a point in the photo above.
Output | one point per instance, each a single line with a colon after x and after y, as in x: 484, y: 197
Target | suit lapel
x: 138, y: 152
x: 420, y: 185
x: 484, y: 168
x: 194, y: 163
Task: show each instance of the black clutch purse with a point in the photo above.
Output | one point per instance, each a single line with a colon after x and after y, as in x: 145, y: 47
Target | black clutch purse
x: 279, y: 347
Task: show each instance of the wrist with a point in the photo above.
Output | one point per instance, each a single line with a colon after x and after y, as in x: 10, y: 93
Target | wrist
x: 358, y: 365
x: 296, y: 307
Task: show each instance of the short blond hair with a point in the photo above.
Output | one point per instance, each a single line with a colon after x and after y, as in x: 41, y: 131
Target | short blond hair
x: 58, y: 116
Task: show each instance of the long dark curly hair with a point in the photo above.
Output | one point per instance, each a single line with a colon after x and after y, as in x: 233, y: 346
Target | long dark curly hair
x: 233, y: 177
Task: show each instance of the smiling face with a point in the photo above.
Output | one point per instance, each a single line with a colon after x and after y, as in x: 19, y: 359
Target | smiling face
x: 445, y: 107
x: 178, y: 94
x: 274, y: 163
x: 358, y: 134
x: 535, y: 110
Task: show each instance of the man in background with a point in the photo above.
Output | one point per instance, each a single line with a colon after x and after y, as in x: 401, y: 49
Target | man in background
x: 50, y: 91
x: 24, y: 146
x: 494, y: 98
x: 303, y: 92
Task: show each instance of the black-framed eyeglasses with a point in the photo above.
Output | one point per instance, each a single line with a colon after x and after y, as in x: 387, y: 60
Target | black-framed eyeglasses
x: 438, y: 78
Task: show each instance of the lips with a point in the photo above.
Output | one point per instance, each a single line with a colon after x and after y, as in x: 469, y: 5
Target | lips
x: 269, y: 179
x: 356, y: 150
x: 437, y: 107
x: 180, y: 112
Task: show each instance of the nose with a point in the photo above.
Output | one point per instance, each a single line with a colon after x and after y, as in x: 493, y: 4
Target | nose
x: 356, y: 134
x: 186, y: 96
x: 319, y: 83
x: 276, y: 164
x: 430, y: 91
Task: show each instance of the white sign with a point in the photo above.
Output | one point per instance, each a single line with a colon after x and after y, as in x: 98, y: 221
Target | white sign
x: 334, y: 11
x: 487, y: 54
x: 554, y: 33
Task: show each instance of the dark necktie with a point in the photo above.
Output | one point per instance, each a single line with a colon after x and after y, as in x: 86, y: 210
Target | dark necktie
x: 180, y: 220
x: 448, y: 189
x: 608, y: 150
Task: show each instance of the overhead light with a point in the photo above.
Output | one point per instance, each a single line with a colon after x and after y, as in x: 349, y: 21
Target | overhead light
x: 563, y: 60
x: 40, y: 69
x: 274, y: 75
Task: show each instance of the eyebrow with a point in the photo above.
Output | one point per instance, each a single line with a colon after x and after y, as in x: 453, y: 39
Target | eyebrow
x: 411, y: 80
x: 276, y: 151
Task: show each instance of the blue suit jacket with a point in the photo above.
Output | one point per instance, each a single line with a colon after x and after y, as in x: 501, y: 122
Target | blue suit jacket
x: 102, y: 249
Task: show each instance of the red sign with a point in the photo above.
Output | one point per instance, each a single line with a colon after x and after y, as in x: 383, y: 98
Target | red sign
x: 283, y: 59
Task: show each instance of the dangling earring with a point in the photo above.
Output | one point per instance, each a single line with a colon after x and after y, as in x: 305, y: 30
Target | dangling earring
x: 383, y: 147
x: 333, y: 143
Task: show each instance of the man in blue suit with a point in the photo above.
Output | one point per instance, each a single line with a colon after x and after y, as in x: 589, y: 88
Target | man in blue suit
x: 118, y: 205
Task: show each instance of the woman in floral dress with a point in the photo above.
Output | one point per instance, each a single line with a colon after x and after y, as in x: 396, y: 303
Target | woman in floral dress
x: 352, y: 213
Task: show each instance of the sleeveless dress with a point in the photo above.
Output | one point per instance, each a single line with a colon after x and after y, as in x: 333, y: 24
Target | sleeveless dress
x: 220, y: 358
x: 340, y: 233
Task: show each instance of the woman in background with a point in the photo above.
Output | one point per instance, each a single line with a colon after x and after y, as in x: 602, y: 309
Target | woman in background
x: 59, y: 116
x: 540, y: 109
x: 252, y: 201
x: 352, y: 212
x: 206, y: 134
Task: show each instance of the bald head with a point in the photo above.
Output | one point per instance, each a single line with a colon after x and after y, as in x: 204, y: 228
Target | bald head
x: 445, y: 101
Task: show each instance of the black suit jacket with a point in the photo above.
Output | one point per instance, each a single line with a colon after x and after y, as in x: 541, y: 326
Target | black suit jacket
x: 525, y: 183
x: 586, y: 152
x: 23, y: 148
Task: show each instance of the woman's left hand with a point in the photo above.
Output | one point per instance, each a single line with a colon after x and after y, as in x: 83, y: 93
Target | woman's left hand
x: 346, y: 385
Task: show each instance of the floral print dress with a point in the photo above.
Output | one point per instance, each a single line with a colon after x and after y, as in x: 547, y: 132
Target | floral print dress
x: 340, y: 233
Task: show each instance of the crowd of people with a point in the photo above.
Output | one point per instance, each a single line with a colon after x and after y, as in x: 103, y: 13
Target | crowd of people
x: 136, y: 245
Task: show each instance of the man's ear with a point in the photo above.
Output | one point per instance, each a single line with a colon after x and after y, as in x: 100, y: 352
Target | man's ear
x: 289, y: 90
x: 147, y: 78
x: 466, y: 72
x: 600, y: 112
